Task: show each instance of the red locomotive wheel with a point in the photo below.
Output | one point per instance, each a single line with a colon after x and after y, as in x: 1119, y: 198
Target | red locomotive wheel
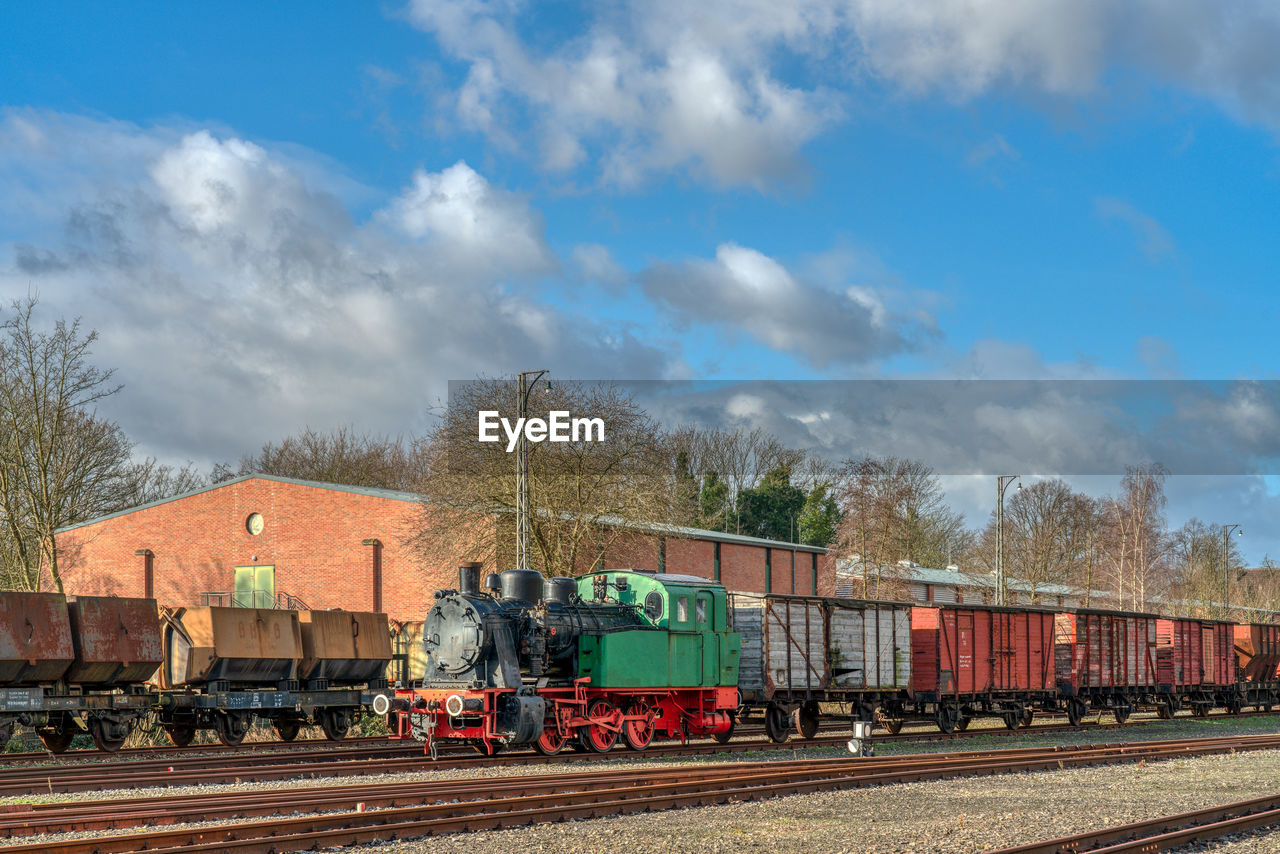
x: 723, y: 737
x: 594, y: 736
x: 550, y: 742
x: 638, y: 734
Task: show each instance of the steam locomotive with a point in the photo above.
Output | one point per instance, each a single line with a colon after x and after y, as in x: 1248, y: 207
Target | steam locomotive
x: 578, y: 661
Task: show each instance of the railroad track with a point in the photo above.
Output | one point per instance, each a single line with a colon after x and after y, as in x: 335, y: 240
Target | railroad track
x: 392, y: 759
x: 382, y: 756
x: 364, y: 814
x: 1165, y: 832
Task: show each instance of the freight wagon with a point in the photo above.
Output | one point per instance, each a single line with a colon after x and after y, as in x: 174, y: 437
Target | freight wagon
x: 100, y: 664
x: 1195, y: 665
x: 1257, y: 648
x: 971, y: 660
x: 1105, y: 660
x: 801, y: 651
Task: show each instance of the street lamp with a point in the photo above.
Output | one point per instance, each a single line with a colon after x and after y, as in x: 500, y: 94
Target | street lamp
x: 1226, y: 564
x: 1001, y: 482
x: 524, y: 387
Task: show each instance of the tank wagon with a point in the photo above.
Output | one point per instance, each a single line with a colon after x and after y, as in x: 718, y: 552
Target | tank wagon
x: 101, y: 664
x: 546, y: 662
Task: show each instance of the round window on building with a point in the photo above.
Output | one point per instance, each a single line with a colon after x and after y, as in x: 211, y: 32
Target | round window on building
x: 254, y: 524
x: 653, y: 606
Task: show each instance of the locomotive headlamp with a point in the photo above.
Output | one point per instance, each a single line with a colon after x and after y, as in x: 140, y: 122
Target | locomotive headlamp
x: 453, y: 705
x: 381, y: 704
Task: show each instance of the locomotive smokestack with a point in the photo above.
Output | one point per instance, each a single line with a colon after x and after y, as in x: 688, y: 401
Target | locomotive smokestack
x: 469, y: 578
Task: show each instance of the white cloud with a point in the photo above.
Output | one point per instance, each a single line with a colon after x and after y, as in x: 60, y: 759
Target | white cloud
x: 743, y: 289
x: 461, y: 216
x: 239, y: 301
x: 732, y: 90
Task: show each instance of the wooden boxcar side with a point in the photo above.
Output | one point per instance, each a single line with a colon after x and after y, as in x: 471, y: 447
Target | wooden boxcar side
x: 1193, y: 654
x: 797, y: 648
x: 1105, y: 652
x: 964, y: 651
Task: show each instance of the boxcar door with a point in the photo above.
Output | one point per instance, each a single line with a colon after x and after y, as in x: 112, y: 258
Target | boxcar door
x: 964, y: 653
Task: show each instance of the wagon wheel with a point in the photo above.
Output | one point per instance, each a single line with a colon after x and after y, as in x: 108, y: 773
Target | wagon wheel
x: 108, y: 735
x: 805, y: 720
x: 57, y: 734
x: 1200, y: 710
x: 1164, y: 711
x: 334, y: 722
x: 963, y: 723
x: 893, y: 725
x: 55, y: 740
x: 947, y: 718
x: 776, y: 725
x: 1121, y: 712
x: 550, y: 742
x: 287, y: 728
x: 231, y: 727
x: 638, y: 734
x: 1075, y: 712
x: 723, y: 737
x: 595, y: 737
x: 1011, y: 719
x: 180, y: 735
x: 1028, y: 715
x: 1233, y: 707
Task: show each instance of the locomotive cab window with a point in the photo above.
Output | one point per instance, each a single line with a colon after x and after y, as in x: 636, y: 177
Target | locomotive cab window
x: 702, y: 610
x: 653, y: 606
x: 682, y: 609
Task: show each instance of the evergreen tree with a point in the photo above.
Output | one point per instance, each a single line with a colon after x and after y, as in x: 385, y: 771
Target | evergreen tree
x: 772, y: 509
x: 819, y: 517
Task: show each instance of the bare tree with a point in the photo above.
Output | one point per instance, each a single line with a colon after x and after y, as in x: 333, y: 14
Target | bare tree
x: 894, y: 509
x: 584, y: 493
x: 60, y: 463
x: 342, y: 455
x: 1136, y: 536
x: 1047, y: 528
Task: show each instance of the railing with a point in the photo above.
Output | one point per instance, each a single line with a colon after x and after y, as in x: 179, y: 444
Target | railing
x: 253, y: 599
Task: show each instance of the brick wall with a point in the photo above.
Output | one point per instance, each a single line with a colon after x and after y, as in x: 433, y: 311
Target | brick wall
x: 313, y: 536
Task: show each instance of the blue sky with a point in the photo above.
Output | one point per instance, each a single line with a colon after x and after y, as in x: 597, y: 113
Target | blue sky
x: 322, y: 214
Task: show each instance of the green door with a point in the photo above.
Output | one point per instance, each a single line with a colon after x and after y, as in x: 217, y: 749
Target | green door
x: 255, y: 587
x: 704, y: 618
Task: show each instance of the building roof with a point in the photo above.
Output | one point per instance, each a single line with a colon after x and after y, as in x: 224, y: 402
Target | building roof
x: 413, y: 497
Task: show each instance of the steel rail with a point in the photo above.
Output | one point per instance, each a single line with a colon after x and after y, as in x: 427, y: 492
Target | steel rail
x: 1164, y: 832
x: 506, y: 802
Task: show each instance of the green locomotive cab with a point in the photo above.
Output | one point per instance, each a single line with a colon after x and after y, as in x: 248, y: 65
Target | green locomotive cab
x: 693, y: 649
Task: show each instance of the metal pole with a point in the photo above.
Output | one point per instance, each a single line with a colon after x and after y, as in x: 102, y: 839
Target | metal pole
x: 523, y: 387
x: 1001, y: 482
x: 1226, y: 566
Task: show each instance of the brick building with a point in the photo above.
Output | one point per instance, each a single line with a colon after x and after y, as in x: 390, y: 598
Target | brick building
x: 263, y: 539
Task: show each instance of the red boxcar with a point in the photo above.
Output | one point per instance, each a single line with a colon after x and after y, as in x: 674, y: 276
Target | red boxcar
x: 967, y: 658
x: 1104, y: 659
x: 1195, y: 662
